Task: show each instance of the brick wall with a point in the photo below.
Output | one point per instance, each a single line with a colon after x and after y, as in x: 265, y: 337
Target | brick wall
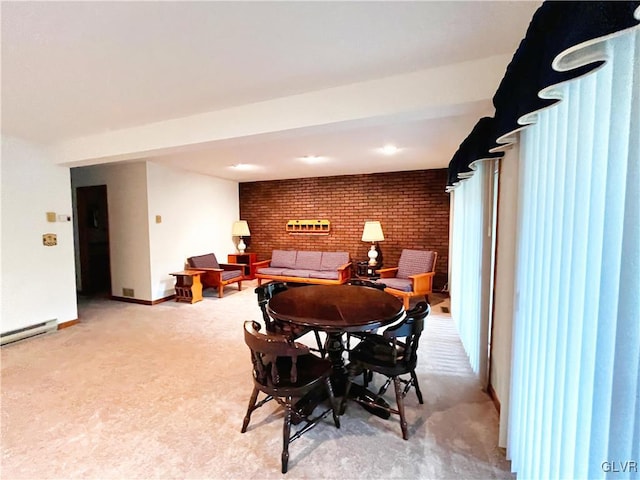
x: 412, y: 207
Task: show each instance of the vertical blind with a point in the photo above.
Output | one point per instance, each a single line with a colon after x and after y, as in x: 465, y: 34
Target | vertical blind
x: 574, y: 399
x: 575, y: 394
x: 470, y: 264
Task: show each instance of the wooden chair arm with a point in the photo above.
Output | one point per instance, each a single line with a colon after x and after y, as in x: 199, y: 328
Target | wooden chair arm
x: 262, y: 263
x: 206, y: 269
x: 387, y: 272
x: 422, y: 282
x: 232, y: 266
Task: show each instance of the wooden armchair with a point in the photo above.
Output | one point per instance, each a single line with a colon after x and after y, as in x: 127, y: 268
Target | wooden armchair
x: 216, y: 275
x: 413, y: 277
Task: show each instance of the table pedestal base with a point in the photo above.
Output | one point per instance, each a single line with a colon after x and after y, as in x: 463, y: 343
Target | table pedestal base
x: 339, y: 379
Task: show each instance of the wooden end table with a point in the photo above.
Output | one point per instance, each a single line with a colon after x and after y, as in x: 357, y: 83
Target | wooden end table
x: 188, y: 285
x: 246, y: 258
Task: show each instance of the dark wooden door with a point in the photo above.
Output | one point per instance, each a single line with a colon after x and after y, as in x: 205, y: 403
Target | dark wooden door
x: 93, y: 236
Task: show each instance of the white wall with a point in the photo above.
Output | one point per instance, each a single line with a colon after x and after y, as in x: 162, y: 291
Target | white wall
x: 197, y: 214
x: 37, y: 282
x: 128, y: 225
x: 504, y: 283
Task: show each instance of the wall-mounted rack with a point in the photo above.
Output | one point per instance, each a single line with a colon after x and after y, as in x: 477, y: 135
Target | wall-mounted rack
x: 309, y: 227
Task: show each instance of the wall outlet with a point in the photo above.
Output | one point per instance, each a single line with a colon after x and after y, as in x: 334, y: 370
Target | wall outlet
x: 127, y: 292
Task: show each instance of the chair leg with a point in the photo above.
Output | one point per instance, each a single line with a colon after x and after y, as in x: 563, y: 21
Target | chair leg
x: 220, y: 291
x: 323, y: 352
x: 240, y: 285
x: 400, y: 402
x: 414, y: 378
x: 343, y: 403
x: 334, y: 404
x: 252, y: 405
x: 286, y: 432
x: 405, y: 302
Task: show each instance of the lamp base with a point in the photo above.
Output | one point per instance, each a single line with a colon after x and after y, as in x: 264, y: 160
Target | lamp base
x: 373, y: 255
x: 241, y: 246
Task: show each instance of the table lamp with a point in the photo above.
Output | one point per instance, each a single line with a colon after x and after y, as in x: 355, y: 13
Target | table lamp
x: 241, y: 229
x: 372, y: 233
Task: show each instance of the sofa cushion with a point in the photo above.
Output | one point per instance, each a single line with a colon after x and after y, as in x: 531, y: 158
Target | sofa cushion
x: 283, y: 258
x: 308, y: 260
x: 415, y: 261
x: 271, y: 271
x: 326, y: 274
x: 333, y: 260
x: 296, y: 272
x: 397, y: 283
x: 203, y: 261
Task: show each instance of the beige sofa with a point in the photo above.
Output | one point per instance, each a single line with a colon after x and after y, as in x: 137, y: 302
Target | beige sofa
x: 323, y: 268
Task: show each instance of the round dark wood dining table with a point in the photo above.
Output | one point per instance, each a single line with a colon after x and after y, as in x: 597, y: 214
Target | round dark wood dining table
x: 336, y: 309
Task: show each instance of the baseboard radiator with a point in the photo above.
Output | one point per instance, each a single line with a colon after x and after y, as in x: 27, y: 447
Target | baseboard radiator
x: 28, y: 332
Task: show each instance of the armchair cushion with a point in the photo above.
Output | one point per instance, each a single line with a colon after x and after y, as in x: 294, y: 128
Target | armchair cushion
x: 283, y: 258
x: 413, y: 262
x: 402, y: 284
x: 204, y: 261
x: 229, y: 274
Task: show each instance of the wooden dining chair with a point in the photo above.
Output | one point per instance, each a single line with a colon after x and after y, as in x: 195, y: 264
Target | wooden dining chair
x: 265, y: 293
x: 284, y: 370
x: 392, y: 354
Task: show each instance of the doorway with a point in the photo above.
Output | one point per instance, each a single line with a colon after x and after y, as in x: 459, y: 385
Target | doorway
x: 93, y: 240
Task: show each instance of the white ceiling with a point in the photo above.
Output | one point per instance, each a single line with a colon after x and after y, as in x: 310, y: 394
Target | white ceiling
x: 79, y: 69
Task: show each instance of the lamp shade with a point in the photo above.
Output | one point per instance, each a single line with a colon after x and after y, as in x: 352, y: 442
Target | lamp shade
x: 240, y: 229
x: 372, y: 232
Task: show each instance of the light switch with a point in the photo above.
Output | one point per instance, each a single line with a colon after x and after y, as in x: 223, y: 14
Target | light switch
x: 51, y: 216
x: 158, y: 218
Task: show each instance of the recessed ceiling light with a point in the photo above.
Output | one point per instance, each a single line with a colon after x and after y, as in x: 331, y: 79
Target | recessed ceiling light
x: 242, y: 166
x: 389, y: 149
x: 313, y: 159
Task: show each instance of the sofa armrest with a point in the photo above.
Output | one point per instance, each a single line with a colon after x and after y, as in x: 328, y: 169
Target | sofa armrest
x: 344, y: 267
x: 344, y: 272
x: 262, y: 264
x: 387, y: 272
x: 422, y: 282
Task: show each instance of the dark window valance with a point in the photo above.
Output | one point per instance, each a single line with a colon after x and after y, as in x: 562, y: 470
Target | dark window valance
x: 554, y: 28
x: 475, y: 146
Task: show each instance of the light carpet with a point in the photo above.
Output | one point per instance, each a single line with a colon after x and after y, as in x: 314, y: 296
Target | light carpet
x: 160, y: 391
